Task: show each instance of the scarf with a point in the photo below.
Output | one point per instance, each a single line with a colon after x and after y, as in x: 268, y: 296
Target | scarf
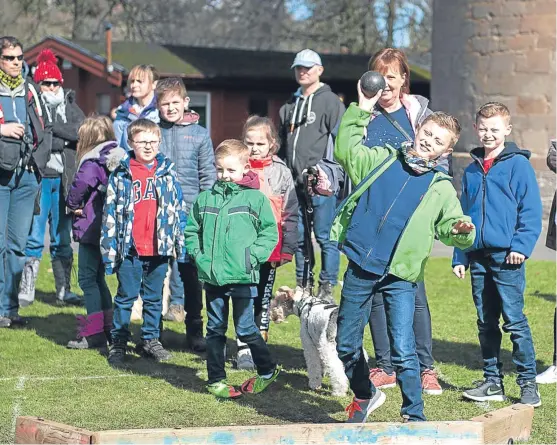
x: 11, y: 82
x: 55, y: 102
x: 416, y: 162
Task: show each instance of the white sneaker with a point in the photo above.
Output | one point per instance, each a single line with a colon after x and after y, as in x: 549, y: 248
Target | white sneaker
x: 548, y: 376
x: 244, y: 360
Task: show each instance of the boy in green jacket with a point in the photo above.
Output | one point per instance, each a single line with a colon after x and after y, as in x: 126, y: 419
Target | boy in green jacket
x: 386, y: 228
x: 230, y: 232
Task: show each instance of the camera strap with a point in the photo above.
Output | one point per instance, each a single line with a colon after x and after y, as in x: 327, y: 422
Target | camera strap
x: 395, y: 123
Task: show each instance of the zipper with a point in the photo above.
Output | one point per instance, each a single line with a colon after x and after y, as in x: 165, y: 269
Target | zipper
x: 297, y: 131
x: 391, y: 207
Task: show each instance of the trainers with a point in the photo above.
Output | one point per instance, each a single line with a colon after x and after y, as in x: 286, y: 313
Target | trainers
x: 548, y: 376
x: 382, y: 380
x: 153, y: 348
x: 529, y: 394
x: 117, y: 353
x: 486, y: 390
x: 70, y: 298
x: 175, y: 313
x: 430, y: 384
x: 244, y: 360
x: 5, y: 322
x: 223, y: 390
x: 360, y: 409
x: 88, y: 342
x: 258, y: 384
x: 325, y: 292
x: 14, y: 322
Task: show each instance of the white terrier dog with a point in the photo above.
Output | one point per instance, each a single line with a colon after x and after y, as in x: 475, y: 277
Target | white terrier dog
x: 318, y: 330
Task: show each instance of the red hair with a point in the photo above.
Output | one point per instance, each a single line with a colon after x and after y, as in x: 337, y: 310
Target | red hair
x: 395, y: 59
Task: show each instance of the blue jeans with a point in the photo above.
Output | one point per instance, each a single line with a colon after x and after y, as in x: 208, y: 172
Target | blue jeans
x: 91, y: 277
x: 176, y: 285
x: 139, y: 276
x: 17, y: 197
x: 422, y: 331
x: 498, y: 289
x: 242, y: 296
x: 355, y: 307
x: 324, y: 208
x: 53, y: 210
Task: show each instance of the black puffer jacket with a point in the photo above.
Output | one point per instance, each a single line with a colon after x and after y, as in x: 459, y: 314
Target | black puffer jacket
x: 64, y: 140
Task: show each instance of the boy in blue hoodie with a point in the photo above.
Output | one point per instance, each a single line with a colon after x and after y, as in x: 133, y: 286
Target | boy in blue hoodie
x: 501, y: 195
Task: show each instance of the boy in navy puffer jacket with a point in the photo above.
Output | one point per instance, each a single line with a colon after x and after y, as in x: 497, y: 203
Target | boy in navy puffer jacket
x: 501, y: 195
x: 189, y: 146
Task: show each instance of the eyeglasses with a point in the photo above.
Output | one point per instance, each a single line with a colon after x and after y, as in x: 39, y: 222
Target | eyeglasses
x: 143, y: 144
x: 50, y: 83
x: 12, y: 58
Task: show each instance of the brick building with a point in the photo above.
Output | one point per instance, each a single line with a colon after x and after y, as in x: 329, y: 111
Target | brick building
x: 225, y: 85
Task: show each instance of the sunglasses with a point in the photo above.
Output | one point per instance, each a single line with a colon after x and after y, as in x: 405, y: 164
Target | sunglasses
x: 12, y: 58
x: 50, y: 83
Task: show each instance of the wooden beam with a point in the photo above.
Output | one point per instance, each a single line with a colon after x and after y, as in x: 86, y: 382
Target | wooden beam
x: 37, y: 430
x: 381, y: 433
x: 512, y: 422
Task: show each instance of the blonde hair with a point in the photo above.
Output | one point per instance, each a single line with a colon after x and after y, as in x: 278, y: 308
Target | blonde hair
x: 387, y: 58
x: 140, y: 125
x: 255, y: 121
x: 233, y: 147
x: 491, y: 109
x: 447, y: 122
x: 170, y: 85
x: 142, y: 72
x: 93, y: 131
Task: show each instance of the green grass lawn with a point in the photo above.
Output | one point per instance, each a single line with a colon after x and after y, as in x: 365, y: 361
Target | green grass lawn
x: 40, y: 377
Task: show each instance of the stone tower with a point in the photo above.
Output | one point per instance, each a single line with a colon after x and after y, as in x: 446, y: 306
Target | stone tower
x: 498, y: 50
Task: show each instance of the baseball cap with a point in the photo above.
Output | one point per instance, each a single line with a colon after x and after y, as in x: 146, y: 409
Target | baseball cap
x: 307, y: 58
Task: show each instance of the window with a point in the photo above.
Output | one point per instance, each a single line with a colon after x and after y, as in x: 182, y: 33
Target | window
x: 200, y: 102
x: 103, y: 104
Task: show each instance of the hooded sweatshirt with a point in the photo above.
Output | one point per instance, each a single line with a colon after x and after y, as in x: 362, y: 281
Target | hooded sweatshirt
x: 307, y: 129
x: 504, y: 203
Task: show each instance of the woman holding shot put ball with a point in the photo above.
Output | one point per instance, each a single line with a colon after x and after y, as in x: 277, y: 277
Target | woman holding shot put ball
x: 394, y: 121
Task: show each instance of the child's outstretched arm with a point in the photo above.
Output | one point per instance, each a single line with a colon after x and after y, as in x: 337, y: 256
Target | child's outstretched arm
x: 453, y: 227
x: 267, y: 233
x: 460, y: 258
x: 357, y: 159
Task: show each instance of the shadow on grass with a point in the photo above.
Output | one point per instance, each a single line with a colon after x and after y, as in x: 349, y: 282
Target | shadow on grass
x: 548, y: 297
x: 46, y: 297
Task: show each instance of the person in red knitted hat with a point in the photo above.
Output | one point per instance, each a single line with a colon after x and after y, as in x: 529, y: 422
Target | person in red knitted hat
x: 65, y: 117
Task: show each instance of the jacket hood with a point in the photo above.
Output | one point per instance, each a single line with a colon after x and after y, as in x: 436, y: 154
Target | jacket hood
x: 250, y: 180
x: 107, y: 153
x: 261, y: 163
x: 128, y: 107
x: 511, y: 149
x: 324, y: 88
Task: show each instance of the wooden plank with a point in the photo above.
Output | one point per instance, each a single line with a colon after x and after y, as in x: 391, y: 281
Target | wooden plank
x: 37, y: 430
x: 512, y: 422
x: 383, y: 433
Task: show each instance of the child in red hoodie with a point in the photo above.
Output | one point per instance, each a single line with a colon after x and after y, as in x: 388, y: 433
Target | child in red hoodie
x: 276, y: 182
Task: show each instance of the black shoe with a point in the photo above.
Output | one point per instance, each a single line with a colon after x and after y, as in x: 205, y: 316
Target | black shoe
x: 529, y: 394
x: 117, y: 353
x: 325, y: 292
x: 90, y: 342
x: 154, y: 349
x: 486, y: 390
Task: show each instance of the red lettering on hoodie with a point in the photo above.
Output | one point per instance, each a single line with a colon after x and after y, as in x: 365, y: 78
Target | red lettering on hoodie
x: 144, y: 230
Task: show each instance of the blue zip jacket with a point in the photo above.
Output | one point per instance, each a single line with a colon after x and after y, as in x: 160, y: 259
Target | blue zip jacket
x: 504, y: 203
x: 117, y: 223
x: 125, y: 115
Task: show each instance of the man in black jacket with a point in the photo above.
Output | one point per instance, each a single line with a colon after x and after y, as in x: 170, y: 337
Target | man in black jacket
x: 24, y: 146
x: 65, y: 117
x: 307, y: 125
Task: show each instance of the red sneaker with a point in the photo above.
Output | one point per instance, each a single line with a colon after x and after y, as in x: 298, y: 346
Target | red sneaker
x: 430, y: 384
x: 381, y: 379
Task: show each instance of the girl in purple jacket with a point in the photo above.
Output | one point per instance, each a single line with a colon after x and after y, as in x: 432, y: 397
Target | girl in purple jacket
x: 98, y: 154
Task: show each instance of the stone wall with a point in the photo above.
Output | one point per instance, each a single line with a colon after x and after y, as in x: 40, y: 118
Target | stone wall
x: 498, y: 50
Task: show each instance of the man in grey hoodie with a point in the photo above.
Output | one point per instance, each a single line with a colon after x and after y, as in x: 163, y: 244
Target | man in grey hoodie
x: 307, y: 127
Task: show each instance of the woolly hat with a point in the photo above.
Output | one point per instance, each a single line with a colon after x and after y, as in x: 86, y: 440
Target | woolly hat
x: 47, y: 67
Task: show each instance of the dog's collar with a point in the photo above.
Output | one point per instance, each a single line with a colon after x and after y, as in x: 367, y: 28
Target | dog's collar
x: 301, y: 304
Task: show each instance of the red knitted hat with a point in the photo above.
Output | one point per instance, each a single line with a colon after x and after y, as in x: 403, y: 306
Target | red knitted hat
x: 47, y: 67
